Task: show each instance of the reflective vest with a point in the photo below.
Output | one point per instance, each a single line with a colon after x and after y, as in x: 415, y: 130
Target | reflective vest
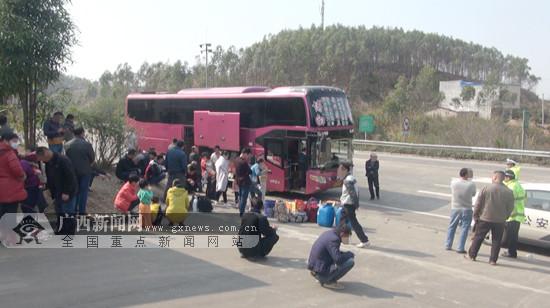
x: 516, y: 170
x: 518, y: 214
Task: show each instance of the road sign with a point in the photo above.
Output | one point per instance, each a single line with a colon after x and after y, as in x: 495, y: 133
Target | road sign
x: 366, y: 124
x: 526, y: 116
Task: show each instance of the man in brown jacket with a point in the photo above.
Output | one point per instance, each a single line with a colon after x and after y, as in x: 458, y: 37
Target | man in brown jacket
x: 493, y: 206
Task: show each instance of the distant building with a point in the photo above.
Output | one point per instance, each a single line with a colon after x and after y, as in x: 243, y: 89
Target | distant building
x: 469, y: 97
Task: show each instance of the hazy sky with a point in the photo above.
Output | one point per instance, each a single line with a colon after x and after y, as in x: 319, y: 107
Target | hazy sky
x: 134, y: 31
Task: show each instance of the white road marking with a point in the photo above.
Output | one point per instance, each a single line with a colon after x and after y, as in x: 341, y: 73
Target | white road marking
x: 446, y: 270
x: 434, y: 193
x: 405, y: 210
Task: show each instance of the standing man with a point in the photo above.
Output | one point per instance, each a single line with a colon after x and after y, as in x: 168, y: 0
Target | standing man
x: 194, y: 155
x: 493, y: 206
x: 176, y: 165
x: 173, y: 144
x: 4, y: 127
x: 371, y: 167
x: 63, y: 186
x: 514, y: 166
x: 462, y: 190
x: 217, y: 154
x: 350, y: 201
x: 242, y: 178
x: 326, y: 262
x: 68, y: 127
x: 54, y: 132
x: 82, y: 155
x: 516, y: 218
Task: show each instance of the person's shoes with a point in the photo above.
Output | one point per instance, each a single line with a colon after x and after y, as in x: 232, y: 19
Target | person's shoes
x: 507, y: 255
x: 378, y: 197
x: 492, y: 263
x: 448, y: 248
x: 333, y: 286
x: 363, y: 245
x: 461, y: 251
x: 372, y: 198
x: 467, y: 257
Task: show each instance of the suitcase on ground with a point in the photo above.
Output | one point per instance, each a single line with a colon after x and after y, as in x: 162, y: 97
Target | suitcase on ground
x: 298, y: 217
x: 325, y: 215
x: 281, y: 212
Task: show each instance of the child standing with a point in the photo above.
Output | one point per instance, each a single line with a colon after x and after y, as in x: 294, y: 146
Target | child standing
x: 145, y: 196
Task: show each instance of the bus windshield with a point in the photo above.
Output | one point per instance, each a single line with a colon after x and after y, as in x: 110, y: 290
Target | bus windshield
x: 329, y: 108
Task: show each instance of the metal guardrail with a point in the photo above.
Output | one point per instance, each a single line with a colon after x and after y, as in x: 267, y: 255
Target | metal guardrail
x: 515, y: 152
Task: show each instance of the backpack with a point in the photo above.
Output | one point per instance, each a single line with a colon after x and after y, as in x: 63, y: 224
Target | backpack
x: 204, y: 205
x: 298, y: 217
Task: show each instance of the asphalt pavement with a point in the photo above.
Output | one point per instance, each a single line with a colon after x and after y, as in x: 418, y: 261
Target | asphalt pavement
x: 406, y: 265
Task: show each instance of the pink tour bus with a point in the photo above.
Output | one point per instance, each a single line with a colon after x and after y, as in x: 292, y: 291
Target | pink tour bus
x: 302, y: 132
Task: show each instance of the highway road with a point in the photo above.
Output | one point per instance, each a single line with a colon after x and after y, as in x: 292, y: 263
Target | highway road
x: 405, y: 267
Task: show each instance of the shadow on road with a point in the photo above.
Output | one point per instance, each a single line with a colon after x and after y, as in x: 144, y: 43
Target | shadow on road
x: 403, y: 252
x: 363, y: 289
x: 274, y: 261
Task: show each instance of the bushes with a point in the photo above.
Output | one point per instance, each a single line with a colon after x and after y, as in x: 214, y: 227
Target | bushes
x: 105, y: 129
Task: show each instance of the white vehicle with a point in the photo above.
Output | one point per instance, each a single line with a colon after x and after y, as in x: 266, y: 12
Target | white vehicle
x: 536, y: 228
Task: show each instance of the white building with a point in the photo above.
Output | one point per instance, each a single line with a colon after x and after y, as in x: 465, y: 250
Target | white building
x: 503, y: 100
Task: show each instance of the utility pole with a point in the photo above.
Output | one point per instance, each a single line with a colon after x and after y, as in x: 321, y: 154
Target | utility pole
x: 206, y: 50
x: 323, y: 15
x: 542, y: 104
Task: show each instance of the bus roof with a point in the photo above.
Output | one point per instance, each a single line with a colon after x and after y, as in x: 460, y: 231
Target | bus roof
x: 256, y: 91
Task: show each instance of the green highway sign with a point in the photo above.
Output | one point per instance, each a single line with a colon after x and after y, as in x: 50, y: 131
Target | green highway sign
x: 366, y: 124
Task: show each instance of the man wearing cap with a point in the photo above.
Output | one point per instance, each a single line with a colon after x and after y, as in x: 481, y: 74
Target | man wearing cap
x: 493, y: 206
x: 516, y: 218
x: 514, y: 166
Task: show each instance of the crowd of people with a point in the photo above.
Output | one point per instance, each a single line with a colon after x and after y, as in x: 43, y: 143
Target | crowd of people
x: 65, y: 168
x: 498, y: 208
x: 69, y: 172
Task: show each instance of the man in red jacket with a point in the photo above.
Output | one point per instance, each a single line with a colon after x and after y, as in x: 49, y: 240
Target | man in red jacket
x: 12, y: 182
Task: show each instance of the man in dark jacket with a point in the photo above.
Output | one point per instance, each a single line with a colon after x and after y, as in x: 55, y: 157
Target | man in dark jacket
x: 242, y: 177
x: 127, y: 166
x: 82, y: 155
x: 254, y: 223
x: 68, y: 128
x: 176, y: 165
x: 54, y: 131
x: 371, y: 167
x: 326, y: 262
x: 63, y: 187
x: 493, y: 206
